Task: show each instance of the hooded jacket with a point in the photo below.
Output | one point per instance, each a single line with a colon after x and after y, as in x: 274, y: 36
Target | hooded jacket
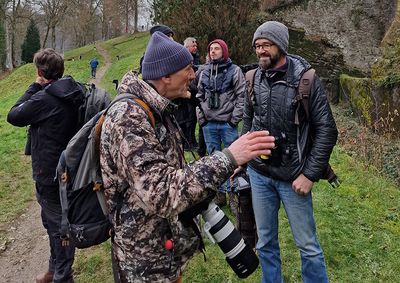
x: 225, y: 80
x: 161, y: 185
x: 52, y: 113
x: 272, y: 107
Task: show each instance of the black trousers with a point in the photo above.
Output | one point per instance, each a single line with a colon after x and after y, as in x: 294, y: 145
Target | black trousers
x: 61, y: 258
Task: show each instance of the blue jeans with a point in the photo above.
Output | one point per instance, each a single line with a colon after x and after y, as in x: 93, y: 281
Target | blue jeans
x: 267, y: 195
x: 216, y: 133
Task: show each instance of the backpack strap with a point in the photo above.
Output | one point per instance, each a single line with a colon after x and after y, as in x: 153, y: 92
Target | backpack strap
x: 121, y: 97
x: 250, y: 76
x: 304, y: 93
x: 98, y: 184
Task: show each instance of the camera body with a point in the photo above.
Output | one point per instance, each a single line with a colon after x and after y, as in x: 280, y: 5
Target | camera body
x: 279, y: 151
x: 221, y: 230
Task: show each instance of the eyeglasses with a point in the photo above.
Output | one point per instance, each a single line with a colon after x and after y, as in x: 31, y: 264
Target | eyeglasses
x: 265, y: 46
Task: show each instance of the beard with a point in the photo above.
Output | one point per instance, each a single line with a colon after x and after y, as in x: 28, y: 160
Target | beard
x: 268, y: 62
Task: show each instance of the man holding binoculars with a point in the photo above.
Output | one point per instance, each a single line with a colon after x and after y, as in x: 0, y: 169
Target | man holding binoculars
x: 221, y: 91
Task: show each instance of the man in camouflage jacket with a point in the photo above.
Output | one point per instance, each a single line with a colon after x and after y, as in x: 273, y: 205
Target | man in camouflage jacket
x: 150, y: 159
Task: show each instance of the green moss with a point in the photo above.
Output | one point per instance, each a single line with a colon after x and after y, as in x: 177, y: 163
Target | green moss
x: 359, y: 92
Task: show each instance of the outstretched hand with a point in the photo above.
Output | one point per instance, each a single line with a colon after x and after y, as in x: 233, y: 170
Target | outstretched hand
x: 251, y: 145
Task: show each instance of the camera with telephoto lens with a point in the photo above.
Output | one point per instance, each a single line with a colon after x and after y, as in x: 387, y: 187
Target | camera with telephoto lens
x: 213, y: 100
x: 277, y: 153
x: 221, y: 230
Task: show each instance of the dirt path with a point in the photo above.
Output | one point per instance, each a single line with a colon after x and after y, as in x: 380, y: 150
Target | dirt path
x: 102, y: 70
x: 26, y: 251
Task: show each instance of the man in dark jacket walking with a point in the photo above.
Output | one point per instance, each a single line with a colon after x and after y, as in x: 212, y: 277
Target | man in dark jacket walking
x: 50, y: 107
x: 288, y: 175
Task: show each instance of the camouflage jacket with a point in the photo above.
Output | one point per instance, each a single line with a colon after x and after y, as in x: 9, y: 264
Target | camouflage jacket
x: 161, y: 185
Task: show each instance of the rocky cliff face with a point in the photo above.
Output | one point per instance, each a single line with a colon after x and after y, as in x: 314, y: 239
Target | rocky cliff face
x: 355, y: 27
x: 336, y: 36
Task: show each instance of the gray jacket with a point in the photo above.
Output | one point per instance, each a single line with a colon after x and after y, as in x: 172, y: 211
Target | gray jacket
x: 221, y: 92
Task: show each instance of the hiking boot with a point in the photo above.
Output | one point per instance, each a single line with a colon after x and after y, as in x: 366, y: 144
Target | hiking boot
x: 233, y: 203
x: 45, y: 277
x: 220, y: 199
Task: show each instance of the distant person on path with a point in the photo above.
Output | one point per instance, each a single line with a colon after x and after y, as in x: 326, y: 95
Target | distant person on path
x: 93, y: 65
x: 146, y: 162
x: 288, y: 175
x: 50, y: 106
x: 221, y: 91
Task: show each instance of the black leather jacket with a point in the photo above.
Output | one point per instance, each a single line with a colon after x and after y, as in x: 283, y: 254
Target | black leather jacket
x: 272, y: 107
x: 52, y: 113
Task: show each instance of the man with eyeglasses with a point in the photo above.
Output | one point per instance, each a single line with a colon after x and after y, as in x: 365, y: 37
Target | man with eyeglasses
x: 288, y: 175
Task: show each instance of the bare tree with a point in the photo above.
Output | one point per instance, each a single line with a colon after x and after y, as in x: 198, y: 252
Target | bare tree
x: 84, y: 17
x: 52, y: 10
x: 18, y: 12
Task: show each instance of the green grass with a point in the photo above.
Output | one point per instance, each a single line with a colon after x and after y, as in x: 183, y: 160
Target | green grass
x: 358, y: 223
x: 130, y: 50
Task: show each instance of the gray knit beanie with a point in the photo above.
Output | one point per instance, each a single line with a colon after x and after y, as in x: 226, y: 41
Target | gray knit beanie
x: 163, y: 57
x: 274, y: 31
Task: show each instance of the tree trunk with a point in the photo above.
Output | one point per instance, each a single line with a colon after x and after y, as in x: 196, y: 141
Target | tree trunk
x: 53, y: 37
x: 136, y: 15
x: 46, y: 37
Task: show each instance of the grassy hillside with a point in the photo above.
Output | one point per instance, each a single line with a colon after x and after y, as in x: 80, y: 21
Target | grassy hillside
x: 358, y: 223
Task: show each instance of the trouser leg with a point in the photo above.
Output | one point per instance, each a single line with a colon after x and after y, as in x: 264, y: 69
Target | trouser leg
x: 61, y: 257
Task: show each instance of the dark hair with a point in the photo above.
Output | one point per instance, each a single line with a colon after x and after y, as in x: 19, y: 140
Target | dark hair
x: 49, y: 63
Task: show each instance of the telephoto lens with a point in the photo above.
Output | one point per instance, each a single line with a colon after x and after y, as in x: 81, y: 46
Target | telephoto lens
x: 221, y: 230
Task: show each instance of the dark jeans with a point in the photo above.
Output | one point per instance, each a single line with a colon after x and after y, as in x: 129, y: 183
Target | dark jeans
x: 61, y: 258
x: 93, y: 73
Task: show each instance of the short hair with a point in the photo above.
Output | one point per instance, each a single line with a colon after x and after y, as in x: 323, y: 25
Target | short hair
x: 189, y: 41
x: 49, y: 63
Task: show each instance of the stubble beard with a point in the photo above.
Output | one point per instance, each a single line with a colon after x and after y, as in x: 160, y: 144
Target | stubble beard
x: 264, y: 63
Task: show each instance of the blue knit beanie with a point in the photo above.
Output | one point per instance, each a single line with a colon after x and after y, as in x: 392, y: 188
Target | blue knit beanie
x: 163, y: 57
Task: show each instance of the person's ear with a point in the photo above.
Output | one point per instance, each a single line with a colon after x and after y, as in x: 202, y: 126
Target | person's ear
x: 39, y: 73
x: 166, y: 79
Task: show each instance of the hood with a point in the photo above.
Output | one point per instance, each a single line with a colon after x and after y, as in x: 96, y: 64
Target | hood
x: 130, y: 83
x: 68, y: 89
x: 224, y: 47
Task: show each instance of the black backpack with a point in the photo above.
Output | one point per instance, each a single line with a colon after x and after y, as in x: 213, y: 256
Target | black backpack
x: 96, y: 100
x: 302, y: 99
x: 85, y: 216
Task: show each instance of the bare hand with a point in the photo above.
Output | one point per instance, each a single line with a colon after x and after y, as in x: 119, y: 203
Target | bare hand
x: 251, y: 145
x: 302, y: 185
